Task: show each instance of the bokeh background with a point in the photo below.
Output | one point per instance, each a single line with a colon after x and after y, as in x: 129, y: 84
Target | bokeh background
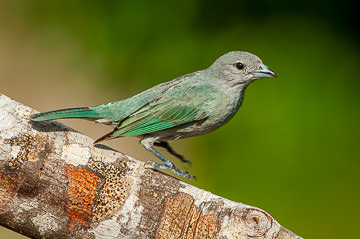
x: 292, y: 149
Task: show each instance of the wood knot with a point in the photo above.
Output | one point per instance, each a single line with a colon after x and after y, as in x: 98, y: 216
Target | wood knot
x: 257, y: 222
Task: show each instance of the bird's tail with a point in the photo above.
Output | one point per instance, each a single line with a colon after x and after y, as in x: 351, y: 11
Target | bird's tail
x: 84, y: 112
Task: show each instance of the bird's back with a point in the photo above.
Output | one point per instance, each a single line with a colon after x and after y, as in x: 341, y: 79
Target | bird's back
x: 114, y: 112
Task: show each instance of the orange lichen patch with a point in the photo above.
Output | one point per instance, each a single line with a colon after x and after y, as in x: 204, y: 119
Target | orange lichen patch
x: 207, y: 227
x: 81, y: 192
x: 182, y: 219
x: 114, y: 191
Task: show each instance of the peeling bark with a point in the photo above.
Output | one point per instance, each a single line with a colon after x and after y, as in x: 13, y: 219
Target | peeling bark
x: 54, y: 183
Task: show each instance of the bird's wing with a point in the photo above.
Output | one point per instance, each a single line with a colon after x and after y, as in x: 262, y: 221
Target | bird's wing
x: 176, y: 106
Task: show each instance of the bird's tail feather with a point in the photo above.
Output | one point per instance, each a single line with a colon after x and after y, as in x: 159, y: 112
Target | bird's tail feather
x: 84, y: 112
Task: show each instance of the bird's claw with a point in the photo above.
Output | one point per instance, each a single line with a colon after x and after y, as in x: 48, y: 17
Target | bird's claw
x: 184, y: 173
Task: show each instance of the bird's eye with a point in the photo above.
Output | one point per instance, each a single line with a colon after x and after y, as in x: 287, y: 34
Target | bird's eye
x: 239, y: 65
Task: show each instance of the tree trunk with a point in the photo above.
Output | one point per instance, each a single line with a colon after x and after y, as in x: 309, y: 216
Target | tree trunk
x: 54, y: 183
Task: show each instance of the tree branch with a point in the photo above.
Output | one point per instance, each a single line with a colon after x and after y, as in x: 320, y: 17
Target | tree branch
x: 54, y: 183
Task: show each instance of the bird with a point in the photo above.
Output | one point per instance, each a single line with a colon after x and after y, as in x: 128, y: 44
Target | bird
x: 190, y: 105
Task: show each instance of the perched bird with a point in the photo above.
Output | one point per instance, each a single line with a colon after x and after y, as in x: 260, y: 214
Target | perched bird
x: 190, y: 105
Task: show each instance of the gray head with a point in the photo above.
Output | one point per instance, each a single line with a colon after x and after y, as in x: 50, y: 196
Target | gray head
x: 239, y: 68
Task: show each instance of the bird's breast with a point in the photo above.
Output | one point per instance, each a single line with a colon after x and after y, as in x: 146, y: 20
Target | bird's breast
x: 219, y: 111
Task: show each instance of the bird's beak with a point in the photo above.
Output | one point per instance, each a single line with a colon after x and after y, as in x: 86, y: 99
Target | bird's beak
x: 263, y: 72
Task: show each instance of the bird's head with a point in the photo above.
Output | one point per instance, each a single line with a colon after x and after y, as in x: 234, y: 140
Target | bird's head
x: 240, y: 68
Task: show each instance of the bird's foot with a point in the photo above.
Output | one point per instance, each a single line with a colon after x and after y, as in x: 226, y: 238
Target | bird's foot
x: 183, y: 173
x: 152, y: 164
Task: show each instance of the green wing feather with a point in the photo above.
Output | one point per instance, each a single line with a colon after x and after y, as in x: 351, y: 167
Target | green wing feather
x: 175, y: 107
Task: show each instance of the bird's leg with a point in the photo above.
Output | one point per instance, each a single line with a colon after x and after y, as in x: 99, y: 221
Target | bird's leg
x: 166, y: 145
x: 167, y: 164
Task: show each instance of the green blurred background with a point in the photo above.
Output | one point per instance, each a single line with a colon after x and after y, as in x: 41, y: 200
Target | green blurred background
x: 292, y: 149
